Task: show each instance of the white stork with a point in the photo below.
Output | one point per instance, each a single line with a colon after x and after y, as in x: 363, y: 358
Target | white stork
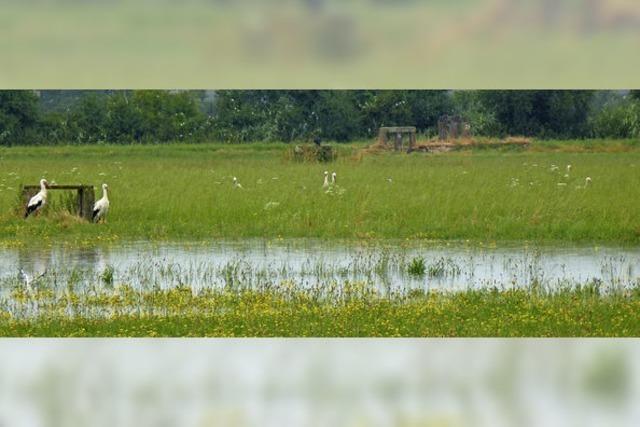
x: 587, y: 181
x: 38, y: 201
x: 101, y: 207
x: 325, y: 185
x: 333, y: 178
x: 236, y: 184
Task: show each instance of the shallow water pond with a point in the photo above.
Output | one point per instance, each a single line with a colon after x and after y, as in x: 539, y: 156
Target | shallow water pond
x: 261, y: 264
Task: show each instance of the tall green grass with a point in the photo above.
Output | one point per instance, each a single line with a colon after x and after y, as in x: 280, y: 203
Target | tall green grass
x: 186, y: 192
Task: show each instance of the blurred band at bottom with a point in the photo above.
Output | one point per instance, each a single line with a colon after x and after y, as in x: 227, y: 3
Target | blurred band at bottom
x: 319, y: 382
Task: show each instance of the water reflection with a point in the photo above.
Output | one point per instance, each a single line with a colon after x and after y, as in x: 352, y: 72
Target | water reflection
x: 39, y: 260
x: 388, y: 266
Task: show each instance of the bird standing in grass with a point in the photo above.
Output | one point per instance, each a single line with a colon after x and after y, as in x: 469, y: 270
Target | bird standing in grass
x: 325, y: 185
x: 334, y: 179
x: 587, y: 181
x: 101, y: 207
x: 236, y: 184
x: 24, y: 278
x: 38, y: 201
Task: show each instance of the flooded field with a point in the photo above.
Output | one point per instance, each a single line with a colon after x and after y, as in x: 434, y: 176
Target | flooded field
x: 256, y: 265
x: 319, y: 288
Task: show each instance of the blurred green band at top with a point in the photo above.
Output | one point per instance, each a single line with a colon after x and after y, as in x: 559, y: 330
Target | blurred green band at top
x: 319, y: 44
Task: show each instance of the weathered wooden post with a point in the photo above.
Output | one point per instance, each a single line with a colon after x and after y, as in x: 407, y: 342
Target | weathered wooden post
x: 412, y: 141
x: 86, y: 200
x: 382, y: 136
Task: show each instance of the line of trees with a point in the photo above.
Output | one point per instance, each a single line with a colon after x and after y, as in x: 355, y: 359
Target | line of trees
x: 154, y: 116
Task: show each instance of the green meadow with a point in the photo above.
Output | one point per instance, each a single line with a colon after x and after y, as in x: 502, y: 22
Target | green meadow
x: 172, y: 193
x: 180, y: 192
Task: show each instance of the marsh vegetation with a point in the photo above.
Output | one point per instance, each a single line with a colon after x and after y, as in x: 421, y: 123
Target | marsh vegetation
x: 470, y: 243
x: 313, y: 288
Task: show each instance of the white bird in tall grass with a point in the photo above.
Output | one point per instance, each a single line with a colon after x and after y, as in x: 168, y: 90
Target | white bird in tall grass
x: 236, y: 184
x: 331, y: 187
x: 568, y: 168
x: 28, y: 280
x: 101, y: 207
x: 38, y: 201
x: 587, y: 181
x: 325, y: 185
x: 24, y: 278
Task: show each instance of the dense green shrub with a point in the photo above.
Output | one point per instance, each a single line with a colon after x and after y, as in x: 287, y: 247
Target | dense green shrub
x: 618, y: 120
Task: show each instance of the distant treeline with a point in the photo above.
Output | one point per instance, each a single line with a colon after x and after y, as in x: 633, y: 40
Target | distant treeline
x: 154, y: 116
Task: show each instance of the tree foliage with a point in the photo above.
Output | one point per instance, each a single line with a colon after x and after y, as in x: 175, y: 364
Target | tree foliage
x: 617, y: 120
x: 18, y: 116
x: 331, y: 115
x: 542, y: 113
x: 154, y: 116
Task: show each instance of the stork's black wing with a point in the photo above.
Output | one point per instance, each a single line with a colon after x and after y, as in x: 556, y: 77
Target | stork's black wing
x: 32, y: 208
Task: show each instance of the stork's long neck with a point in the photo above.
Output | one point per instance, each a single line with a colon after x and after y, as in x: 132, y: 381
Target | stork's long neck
x: 104, y: 193
x: 43, y: 189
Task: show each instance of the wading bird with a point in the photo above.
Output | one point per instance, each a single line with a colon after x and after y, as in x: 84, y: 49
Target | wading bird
x: 38, y: 201
x: 568, y: 168
x: 101, y: 207
x: 334, y: 178
x: 28, y: 280
x: 236, y: 184
x: 587, y: 181
x: 325, y: 185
